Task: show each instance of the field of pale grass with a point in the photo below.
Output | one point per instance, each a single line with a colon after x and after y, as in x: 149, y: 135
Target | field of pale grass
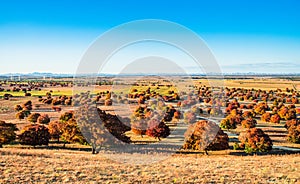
x: 52, y: 166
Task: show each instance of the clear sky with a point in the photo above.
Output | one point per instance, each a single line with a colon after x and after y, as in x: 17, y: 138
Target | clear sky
x: 245, y: 36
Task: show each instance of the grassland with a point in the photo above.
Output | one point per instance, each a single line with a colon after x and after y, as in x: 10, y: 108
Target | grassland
x: 61, y: 166
x: 54, y: 164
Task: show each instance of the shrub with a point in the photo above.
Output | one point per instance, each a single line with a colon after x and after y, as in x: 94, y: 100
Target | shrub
x: 7, y: 96
x: 27, y: 94
x: 66, y: 116
x: 7, y: 133
x: 34, y: 134
x: 48, y: 100
x: 275, y: 118
x: 168, y: 117
x: 27, y: 105
x: 33, y: 117
x: 228, y: 123
x: 56, y: 101
x: 261, y: 108
x: 43, y: 119
x: 18, y: 107
x: 294, y: 134
x: 282, y: 112
x: 177, y: 115
x: 25, y: 112
x: 249, y: 123
x: 295, y: 100
x: 291, y: 114
x: 57, y: 109
x: 293, y: 122
x: 20, y: 115
x: 205, y: 135
x: 157, y: 129
x: 266, y: 117
x: 232, y: 120
x: 68, y: 101
x: 248, y: 114
x: 255, y: 140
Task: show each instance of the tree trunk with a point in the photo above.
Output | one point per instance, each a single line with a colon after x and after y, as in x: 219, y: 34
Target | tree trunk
x: 93, y: 150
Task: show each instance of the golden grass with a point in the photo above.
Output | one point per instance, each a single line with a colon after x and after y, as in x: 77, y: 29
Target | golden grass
x: 45, y: 166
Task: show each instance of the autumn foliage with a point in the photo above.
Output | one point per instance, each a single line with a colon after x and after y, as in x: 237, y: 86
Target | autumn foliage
x: 275, y: 119
x: 205, y: 135
x: 157, y: 129
x: 249, y: 123
x: 43, y: 119
x: 7, y: 132
x: 55, y: 129
x: 71, y: 132
x: 33, y: 117
x: 255, y: 140
x: 34, y: 134
x: 294, y: 134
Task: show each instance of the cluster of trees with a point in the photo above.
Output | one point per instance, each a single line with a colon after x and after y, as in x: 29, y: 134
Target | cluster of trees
x: 61, y: 100
x: 232, y: 120
x: 40, y: 131
x: 151, y: 118
x: 149, y: 93
x: 147, y: 121
x: 23, y: 110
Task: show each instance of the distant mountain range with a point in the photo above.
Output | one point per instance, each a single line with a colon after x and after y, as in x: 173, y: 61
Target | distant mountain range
x: 36, y: 74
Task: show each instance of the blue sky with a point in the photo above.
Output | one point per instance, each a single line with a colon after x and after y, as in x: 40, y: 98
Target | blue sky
x: 245, y: 36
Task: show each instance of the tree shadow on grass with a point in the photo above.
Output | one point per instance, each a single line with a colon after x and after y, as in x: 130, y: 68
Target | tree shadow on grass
x: 276, y: 131
x: 273, y: 152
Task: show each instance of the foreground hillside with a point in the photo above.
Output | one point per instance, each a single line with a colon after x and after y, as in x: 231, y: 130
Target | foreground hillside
x: 56, y: 166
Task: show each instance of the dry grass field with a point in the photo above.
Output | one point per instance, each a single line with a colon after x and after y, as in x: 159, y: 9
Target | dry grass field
x: 75, y: 163
x: 61, y: 166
